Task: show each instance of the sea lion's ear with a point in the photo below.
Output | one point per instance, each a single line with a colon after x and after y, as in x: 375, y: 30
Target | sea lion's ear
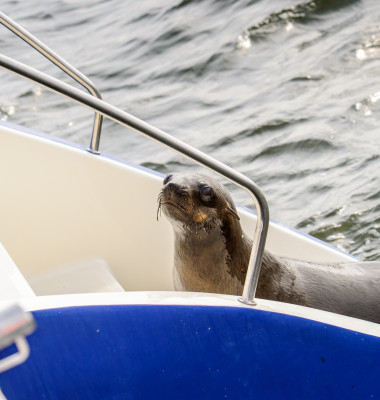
x: 229, y: 210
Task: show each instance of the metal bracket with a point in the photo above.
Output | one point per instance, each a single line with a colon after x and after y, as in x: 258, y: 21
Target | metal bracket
x: 15, y: 324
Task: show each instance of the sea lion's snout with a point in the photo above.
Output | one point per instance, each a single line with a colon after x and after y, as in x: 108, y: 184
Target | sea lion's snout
x: 174, y: 200
x: 188, y: 199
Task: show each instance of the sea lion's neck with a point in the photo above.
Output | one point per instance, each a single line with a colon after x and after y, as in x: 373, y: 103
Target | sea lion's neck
x: 215, y: 258
x: 203, y: 261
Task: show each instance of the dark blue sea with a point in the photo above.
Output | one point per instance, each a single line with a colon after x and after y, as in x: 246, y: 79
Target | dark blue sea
x: 285, y: 91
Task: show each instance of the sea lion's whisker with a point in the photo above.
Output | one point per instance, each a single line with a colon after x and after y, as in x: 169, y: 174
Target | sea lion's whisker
x: 159, y: 201
x: 174, y: 204
x: 160, y: 195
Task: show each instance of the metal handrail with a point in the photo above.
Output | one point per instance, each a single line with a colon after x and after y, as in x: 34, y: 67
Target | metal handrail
x: 65, y: 67
x: 154, y: 133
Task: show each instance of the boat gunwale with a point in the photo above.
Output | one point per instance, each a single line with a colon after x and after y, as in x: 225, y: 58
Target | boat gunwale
x: 175, y: 298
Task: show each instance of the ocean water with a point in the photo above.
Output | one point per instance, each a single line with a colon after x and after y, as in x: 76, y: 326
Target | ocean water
x: 287, y: 92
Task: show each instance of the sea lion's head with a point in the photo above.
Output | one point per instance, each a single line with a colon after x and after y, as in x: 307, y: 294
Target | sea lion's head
x: 194, y: 201
x: 211, y: 253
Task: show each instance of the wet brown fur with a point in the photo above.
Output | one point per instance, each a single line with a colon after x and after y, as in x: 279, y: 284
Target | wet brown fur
x: 212, y: 254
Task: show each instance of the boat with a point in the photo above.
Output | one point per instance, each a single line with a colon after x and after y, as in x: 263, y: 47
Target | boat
x: 88, y: 306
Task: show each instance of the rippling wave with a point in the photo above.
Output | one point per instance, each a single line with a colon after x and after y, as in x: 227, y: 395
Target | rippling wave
x: 300, y: 13
x: 303, y: 13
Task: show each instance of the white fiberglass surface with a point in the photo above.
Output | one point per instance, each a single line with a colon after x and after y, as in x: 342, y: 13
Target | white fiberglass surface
x: 12, y: 282
x: 61, y: 205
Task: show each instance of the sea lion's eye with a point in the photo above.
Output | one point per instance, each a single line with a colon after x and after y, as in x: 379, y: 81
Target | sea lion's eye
x: 167, y: 178
x: 206, y: 193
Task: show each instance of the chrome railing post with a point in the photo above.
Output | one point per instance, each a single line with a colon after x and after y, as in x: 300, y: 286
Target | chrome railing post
x: 64, y: 66
x: 154, y: 133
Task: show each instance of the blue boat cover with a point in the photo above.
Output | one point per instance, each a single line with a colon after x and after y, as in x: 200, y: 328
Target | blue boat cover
x: 191, y: 352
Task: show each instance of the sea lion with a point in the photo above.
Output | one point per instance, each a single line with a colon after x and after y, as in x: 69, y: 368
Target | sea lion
x: 211, y: 254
